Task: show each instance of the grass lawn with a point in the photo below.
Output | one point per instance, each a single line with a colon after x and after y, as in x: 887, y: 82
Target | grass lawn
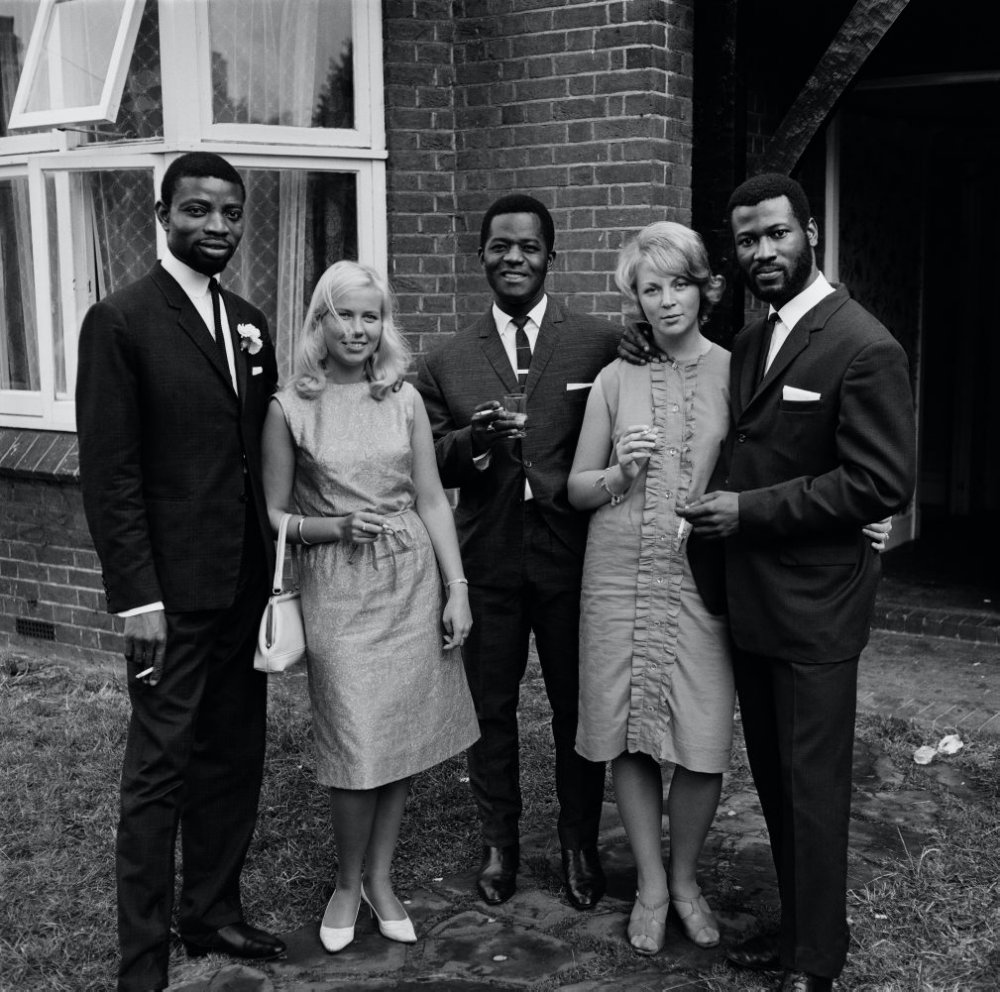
x: 930, y: 922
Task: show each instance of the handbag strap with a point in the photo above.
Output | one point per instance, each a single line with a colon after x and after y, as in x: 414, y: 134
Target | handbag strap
x: 279, y: 552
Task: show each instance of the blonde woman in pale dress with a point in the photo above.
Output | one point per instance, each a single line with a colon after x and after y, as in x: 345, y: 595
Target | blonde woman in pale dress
x: 655, y: 678
x: 348, y: 451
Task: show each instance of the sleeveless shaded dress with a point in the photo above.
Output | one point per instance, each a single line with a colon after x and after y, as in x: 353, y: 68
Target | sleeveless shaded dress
x: 655, y: 670
x: 387, y: 700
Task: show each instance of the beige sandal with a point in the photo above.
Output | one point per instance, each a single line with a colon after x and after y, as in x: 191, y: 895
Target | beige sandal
x: 697, y: 920
x: 647, y: 926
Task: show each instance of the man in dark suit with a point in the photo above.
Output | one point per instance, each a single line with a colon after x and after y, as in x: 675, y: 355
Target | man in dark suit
x: 174, y: 380
x: 522, y: 543
x: 822, y: 440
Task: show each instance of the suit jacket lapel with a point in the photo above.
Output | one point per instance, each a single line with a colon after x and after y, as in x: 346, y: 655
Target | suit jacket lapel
x: 545, y: 344
x: 495, y: 352
x: 796, y: 342
x: 240, y: 356
x: 751, y: 363
x: 191, y: 323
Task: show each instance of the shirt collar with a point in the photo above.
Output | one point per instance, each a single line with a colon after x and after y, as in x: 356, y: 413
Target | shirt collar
x: 194, y: 283
x: 797, y: 307
x: 535, y: 315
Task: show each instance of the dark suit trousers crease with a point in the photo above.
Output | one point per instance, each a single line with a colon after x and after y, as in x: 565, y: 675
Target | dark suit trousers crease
x: 194, y: 757
x: 798, y: 722
x: 547, y: 602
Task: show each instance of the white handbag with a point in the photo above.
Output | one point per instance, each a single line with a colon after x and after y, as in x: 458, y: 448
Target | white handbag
x: 281, y: 640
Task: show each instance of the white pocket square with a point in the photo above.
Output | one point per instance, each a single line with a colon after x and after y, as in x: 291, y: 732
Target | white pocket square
x: 796, y: 395
x: 256, y: 370
x: 570, y: 386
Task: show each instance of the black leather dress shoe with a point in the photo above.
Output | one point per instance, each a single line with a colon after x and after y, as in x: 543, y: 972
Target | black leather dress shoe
x: 585, y: 882
x: 759, y: 953
x: 801, y: 981
x: 498, y: 875
x: 238, y: 940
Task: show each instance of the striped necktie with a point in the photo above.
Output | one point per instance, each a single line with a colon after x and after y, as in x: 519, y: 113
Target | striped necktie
x: 523, y: 349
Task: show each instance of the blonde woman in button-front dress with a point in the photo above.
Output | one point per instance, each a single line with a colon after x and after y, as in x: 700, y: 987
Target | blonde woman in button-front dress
x: 348, y: 451
x: 656, y: 683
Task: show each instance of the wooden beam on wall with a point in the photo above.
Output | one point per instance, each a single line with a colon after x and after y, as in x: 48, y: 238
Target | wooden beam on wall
x: 863, y: 28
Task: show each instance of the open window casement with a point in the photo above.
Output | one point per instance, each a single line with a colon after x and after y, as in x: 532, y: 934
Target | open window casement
x: 76, y: 63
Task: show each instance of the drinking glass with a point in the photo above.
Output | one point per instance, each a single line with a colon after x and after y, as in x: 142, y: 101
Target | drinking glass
x: 517, y: 403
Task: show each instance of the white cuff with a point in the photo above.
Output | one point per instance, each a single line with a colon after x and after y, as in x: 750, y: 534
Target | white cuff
x: 136, y: 610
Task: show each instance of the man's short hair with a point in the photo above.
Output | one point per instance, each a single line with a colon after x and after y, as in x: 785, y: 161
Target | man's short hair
x: 199, y: 165
x: 768, y: 186
x: 519, y: 203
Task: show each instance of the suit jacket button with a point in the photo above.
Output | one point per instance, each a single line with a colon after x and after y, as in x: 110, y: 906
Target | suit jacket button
x: 244, y: 498
x: 527, y: 464
x: 740, y: 438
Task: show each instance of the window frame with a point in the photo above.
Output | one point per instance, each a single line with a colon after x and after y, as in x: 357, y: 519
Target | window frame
x: 28, y: 404
x: 187, y: 95
x: 106, y: 109
x: 185, y: 76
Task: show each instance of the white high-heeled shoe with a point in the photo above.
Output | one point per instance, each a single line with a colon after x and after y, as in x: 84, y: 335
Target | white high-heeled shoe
x: 400, y: 930
x: 336, y: 939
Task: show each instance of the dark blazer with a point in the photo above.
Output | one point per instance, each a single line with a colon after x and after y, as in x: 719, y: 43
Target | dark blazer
x: 800, y: 575
x: 168, y: 452
x: 473, y: 367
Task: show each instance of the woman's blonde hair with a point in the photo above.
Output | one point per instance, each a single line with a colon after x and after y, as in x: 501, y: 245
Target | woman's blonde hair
x: 669, y: 249
x: 387, y: 366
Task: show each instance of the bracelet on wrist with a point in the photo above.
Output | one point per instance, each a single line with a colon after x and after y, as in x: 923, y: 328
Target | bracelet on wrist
x: 457, y: 582
x: 601, y: 483
x: 302, y: 539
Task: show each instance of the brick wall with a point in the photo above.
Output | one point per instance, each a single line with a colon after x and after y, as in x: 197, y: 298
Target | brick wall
x: 420, y: 136
x: 586, y: 105
x: 51, y: 595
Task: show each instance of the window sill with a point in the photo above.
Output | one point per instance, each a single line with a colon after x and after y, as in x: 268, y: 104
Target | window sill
x: 30, y: 454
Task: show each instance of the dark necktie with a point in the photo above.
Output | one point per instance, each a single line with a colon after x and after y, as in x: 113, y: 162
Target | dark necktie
x: 523, y: 350
x: 765, y: 345
x: 213, y: 286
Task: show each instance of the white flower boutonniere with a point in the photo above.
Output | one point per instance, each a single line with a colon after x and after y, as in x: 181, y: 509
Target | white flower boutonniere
x: 249, y: 338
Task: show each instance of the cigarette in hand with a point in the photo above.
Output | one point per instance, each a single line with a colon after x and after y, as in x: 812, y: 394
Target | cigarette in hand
x: 144, y: 673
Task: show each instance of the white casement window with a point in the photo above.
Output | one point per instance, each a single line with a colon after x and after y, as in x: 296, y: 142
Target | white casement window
x: 289, y: 91
x: 75, y: 66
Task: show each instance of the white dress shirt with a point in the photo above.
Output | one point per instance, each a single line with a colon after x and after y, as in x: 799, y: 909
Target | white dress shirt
x: 793, y: 311
x: 195, y: 286
x: 507, y: 331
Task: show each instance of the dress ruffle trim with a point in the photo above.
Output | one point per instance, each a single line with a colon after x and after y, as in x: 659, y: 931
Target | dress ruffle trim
x: 660, y: 569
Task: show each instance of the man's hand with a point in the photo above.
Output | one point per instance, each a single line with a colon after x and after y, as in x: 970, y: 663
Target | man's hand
x: 636, y: 348
x: 145, y: 645
x: 878, y: 533
x: 491, y: 423
x: 714, y: 514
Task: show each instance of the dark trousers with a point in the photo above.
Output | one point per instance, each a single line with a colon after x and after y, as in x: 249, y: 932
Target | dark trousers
x: 546, y: 602
x: 194, y: 757
x: 798, y: 722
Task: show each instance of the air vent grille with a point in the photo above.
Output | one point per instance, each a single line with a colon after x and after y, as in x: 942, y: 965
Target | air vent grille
x: 41, y: 629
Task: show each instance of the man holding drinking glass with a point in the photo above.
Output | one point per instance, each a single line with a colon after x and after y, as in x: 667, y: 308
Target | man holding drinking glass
x: 522, y: 543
